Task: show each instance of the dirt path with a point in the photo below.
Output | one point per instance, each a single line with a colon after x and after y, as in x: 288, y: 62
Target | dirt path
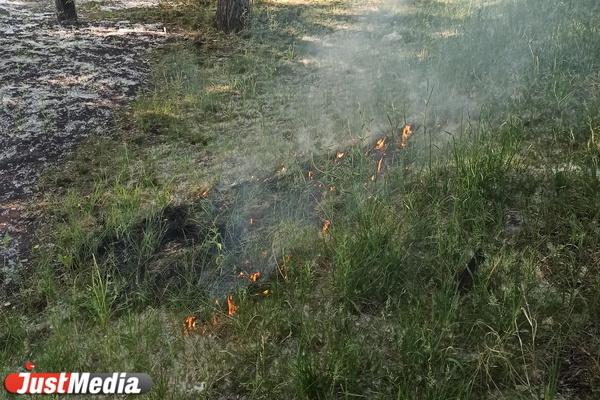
x: 58, y: 85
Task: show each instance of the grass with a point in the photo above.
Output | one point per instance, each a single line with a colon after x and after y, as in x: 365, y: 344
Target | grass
x: 227, y: 164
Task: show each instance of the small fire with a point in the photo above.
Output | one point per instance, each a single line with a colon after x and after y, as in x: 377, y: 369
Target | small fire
x: 202, y: 193
x: 253, y: 277
x: 379, y: 165
x: 326, y: 226
x: 190, y: 323
x: 231, y: 306
x: 407, y: 132
x: 380, y: 144
x: 265, y: 293
x: 339, y: 154
x: 311, y: 174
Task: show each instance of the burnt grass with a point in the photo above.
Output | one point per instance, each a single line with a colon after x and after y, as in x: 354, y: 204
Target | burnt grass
x: 219, y: 225
x: 227, y: 227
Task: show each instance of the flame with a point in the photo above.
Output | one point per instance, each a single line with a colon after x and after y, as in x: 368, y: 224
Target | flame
x: 326, y: 226
x: 190, y: 323
x: 407, y: 132
x: 255, y: 276
x: 202, y: 193
x: 379, y: 163
x: 378, y: 170
x: 265, y: 293
x: 231, y: 306
x: 380, y: 144
x: 311, y: 174
x: 339, y: 154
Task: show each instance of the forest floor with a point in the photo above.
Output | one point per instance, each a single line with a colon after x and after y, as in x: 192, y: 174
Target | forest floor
x: 377, y: 199
x: 60, y: 85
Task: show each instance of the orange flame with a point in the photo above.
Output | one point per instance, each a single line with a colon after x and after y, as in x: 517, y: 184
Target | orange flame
x: 202, y: 193
x: 231, y: 306
x: 326, y: 226
x: 379, y: 165
x: 190, y: 323
x: 407, y: 132
x: 255, y: 276
x: 380, y: 144
x: 339, y: 154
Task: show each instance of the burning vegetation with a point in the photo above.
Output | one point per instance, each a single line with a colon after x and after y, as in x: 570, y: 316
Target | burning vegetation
x: 252, y: 277
x: 231, y: 306
x: 380, y: 144
x: 407, y: 132
x: 380, y: 151
x: 325, y: 228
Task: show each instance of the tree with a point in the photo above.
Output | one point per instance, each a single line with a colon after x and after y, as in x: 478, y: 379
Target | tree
x: 65, y: 10
x: 232, y: 14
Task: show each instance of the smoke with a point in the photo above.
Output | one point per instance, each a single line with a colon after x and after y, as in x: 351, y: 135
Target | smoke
x: 439, y: 65
x: 435, y: 63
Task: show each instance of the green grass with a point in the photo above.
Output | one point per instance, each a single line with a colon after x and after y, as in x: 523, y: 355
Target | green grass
x: 503, y: 97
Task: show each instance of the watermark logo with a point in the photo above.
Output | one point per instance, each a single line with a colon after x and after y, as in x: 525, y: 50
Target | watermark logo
x: 76, y: 382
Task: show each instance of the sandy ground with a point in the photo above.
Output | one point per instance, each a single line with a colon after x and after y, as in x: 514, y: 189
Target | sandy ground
x: 58, y: 85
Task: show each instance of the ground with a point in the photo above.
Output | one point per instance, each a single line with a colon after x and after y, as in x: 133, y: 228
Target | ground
x: 378, y: 199
x: 60, y: 85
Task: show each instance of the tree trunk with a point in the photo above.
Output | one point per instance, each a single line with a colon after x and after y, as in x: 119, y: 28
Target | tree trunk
x: 232, y: 14
x: 65, y: 10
